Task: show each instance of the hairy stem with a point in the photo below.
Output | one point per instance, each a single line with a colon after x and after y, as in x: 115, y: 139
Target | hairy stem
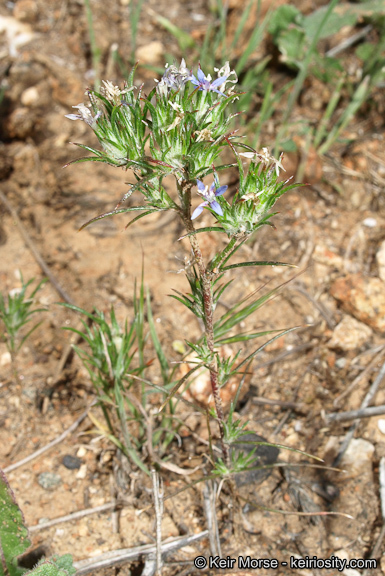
x: 184, y: 191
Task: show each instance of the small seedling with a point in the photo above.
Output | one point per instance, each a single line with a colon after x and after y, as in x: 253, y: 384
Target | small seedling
x: 15, y: 314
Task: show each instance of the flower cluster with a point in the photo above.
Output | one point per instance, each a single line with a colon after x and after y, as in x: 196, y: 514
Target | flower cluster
x: 180, y: 129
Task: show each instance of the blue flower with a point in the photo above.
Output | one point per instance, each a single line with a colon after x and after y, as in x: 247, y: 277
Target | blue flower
x: 209, y: 194
x: 204, y: 82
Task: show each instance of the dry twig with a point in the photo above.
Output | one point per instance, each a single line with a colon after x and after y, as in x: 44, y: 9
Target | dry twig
x: 353, y: 414
x: 50, y: 444
x: 158, y: 492
x: 212, y: 524
x: 116, y: 557
x: 358, y: 379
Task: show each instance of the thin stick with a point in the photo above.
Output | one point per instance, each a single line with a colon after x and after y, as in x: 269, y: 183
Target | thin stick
x: 120, y: 556
x: 358, y: 379
x: 76, y: 515
x: 51, y: 444
x: 353, y: 414
x: 158, y: 491
x: 115, y: 513
x: 368, y: 398
x: 30, y: 244
x: 209, y: 509
x: 349, y: 42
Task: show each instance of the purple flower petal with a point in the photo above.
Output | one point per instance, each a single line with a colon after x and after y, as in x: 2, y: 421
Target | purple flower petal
x: 218, y: 82
x: 221, y: 190
x: 201, y: 186
x: 215, y: 206
x: 198, y: 211
x: 201, y: 75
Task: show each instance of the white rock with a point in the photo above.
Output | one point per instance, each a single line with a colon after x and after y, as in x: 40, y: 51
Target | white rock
x: 150, y: 53
x: 381, y: 425
x: 30, y: 96
x: 82, y: 472
x: 358, y: 457
x: 370, y: 222
x: 380, y: 257
x: 5, y: 359
x: 81, y: 452
x: 350, y: 334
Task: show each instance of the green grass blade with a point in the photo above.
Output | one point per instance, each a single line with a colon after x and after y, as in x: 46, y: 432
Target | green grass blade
x: 164, y: 365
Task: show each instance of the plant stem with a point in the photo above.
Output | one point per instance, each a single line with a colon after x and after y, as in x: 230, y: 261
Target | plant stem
x: 184, y: 191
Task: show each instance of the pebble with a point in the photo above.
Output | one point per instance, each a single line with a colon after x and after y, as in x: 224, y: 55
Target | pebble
x: 349, y: 334
x: 150, y: 53
x: 82, y: 472
x: 380, y: 257
x: 340, y: 363
x: 370, y: 222
x: 49, y: 480
x: 71, y: 462
x: 5, y: 359
x: 363, y: 297
x: 358, y: 457
x: 381, y: 425
x: 30, y: 96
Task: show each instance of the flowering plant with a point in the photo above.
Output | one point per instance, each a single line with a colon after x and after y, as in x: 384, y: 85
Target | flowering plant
x: 179, y: 130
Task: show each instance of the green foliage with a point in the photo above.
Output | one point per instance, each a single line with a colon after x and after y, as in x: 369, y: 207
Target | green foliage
x: 16, y: 313
x: 109, y: 362
x: 55, y: 566
x: 13, y: 534
x: 14, y: 541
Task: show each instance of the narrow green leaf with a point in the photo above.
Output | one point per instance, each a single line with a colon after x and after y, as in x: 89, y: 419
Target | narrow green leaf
x: 178, y: 385
x: 112, y: 213
x: 256, y: 263
x: 245, y: 337
x: 164, y: 365
x: 199, y: 230
x: 280, y: 446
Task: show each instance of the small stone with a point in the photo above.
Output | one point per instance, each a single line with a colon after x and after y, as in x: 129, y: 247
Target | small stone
x: 30, y: 96
x: 363, y: 297
x: 71, y: 462
x: 380, y: 257
x: 49, y: 480
x: 82, y: 472
x: 340, y: 363
x: 358, y: 457
x: 150, y: 53
x: 349, y: 335
x: 381, y: 425
x: 5, y: 359
x: 370, y: 222
x: 81, y: 452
